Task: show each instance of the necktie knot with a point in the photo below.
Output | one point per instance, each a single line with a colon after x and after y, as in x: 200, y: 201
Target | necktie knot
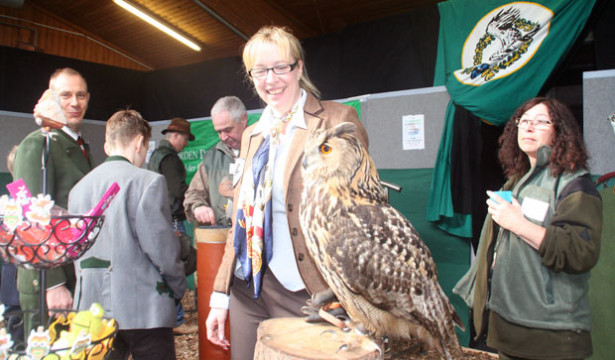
x: 81, y: 144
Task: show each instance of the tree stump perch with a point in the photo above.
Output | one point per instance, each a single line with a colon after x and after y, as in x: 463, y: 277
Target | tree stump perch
x: 296, y: 339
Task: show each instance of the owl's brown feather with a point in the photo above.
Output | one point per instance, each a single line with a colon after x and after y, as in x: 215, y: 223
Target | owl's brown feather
x: 368, y: 252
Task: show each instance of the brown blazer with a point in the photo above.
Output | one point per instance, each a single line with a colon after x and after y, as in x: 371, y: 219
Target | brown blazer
x: 318, y: 115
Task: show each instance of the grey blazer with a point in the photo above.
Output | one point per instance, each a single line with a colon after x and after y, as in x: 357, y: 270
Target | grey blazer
x: 133, y: 269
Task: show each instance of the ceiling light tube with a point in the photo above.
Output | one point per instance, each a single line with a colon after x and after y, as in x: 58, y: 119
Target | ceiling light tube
x: 158, y: 24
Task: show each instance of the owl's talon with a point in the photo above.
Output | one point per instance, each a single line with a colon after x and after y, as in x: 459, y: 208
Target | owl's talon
x: 371, y: 346
x: 366, y: 344
x: 342, y: 347
x: 329, y: 331
x: 311, y: 314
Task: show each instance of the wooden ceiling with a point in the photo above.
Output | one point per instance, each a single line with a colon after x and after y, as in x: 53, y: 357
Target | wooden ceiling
x: 221, y: 27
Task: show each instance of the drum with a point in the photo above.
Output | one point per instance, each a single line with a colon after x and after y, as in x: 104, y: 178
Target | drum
x: 210, y: 249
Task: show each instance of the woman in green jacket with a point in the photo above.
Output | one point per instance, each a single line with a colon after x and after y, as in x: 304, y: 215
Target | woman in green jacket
x: 528, y: 287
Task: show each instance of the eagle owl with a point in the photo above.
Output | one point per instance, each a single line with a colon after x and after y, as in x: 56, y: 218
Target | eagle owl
x: 369, y: 254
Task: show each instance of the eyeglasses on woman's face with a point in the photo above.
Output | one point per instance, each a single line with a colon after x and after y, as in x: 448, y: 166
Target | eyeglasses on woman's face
x: 279, y: 69
x: 538, y: 123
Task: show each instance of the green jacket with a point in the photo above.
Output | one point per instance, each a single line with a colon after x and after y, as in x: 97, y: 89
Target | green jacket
x: 203, y: 189
x: 545, y: 288
x: 65, y: 167
x: 166, y: 161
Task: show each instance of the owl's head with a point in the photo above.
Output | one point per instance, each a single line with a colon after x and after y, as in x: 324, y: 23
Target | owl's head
x: 336, y: 156
x: 332, y: 152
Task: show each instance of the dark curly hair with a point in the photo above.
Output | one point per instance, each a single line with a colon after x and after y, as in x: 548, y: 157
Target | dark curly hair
x: 569, y: 153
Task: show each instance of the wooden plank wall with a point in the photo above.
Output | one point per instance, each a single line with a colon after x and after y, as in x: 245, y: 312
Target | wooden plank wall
x: 42, y: 32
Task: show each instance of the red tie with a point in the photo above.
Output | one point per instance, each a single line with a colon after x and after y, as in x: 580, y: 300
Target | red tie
x: 81, y: 144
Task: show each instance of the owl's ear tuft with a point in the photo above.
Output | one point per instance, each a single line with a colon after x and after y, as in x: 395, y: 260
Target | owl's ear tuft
x: 344, y: 128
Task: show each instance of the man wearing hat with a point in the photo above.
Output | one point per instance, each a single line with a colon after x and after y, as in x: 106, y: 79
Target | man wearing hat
x: 165, y: 160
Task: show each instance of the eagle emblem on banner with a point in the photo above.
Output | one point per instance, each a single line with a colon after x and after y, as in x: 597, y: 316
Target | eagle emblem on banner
x: 503, y: 41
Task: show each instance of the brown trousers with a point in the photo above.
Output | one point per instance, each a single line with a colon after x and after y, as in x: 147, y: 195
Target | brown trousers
x: 246, y: 313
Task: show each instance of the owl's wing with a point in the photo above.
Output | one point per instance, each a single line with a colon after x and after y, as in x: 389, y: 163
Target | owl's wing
x: 380, y: 256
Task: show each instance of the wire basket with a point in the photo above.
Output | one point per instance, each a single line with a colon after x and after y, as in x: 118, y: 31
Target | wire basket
x: 64, y: 340
x: 36, y: 246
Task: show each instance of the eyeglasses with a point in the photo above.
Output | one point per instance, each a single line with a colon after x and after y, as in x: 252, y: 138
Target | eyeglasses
x: 538, y: 123
x: 278, y: 70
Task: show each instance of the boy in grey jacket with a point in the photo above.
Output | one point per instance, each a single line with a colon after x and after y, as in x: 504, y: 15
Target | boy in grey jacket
x: 133, y: 269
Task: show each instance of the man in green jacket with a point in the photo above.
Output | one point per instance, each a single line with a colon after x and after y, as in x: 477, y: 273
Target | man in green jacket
x: 69, y: 160
x: 165, y: 160
x: 204, y: 204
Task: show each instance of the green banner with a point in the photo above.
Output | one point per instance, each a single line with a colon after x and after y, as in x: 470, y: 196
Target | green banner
x: 492, y: 57
x: 206, y: 137
x: 495, y: 55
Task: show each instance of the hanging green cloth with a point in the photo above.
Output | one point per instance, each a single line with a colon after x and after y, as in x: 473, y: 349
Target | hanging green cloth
x: 440, y: 206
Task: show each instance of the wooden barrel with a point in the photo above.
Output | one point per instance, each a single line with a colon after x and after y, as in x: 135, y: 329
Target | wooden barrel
x: 210, y: 248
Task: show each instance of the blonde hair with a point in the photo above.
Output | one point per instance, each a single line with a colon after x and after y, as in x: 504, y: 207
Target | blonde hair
x: 288, y: 44
x: 125, y: 125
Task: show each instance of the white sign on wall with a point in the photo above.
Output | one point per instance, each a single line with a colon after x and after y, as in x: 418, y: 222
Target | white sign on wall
x: 413, y: 130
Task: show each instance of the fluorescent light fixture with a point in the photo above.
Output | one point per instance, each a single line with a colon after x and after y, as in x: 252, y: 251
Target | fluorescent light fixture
x: 158, y: 24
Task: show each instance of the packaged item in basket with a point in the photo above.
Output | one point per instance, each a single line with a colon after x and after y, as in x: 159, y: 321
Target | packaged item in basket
x: 4, y: 199
x: 39, y: 343
x: 83, y: 333
x: 6, y: 343
x: 12, y: 216
x: 37, y: 209
x: 20, y: 193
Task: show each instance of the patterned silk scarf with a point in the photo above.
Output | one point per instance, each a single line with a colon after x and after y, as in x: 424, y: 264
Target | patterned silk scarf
x: 253, y: 238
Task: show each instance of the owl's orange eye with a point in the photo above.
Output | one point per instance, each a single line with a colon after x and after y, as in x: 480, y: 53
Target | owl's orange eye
x: 325, y: 149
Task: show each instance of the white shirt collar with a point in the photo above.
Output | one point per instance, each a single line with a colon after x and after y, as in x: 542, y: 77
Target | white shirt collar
x: 268, y: 120
x: 70, y: 132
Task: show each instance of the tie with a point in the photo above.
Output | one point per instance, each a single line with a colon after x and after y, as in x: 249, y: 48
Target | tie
x: 82, y: 145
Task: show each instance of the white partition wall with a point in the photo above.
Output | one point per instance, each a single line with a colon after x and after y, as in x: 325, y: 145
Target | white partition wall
x: 383, y: 114
x: 598, y: 106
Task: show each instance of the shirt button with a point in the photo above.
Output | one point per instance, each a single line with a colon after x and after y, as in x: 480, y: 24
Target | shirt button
x: 35, y: 282
x: 294, y: 232
x: 300, y: 257
x: 290, y: 207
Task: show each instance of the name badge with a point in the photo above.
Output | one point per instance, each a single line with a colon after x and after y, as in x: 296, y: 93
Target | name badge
x: 237, y: 170
x: 535, y: 209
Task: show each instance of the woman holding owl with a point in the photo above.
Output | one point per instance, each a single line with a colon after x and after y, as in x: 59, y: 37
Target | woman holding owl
x: 266, y: 270
x: 529, y: 284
